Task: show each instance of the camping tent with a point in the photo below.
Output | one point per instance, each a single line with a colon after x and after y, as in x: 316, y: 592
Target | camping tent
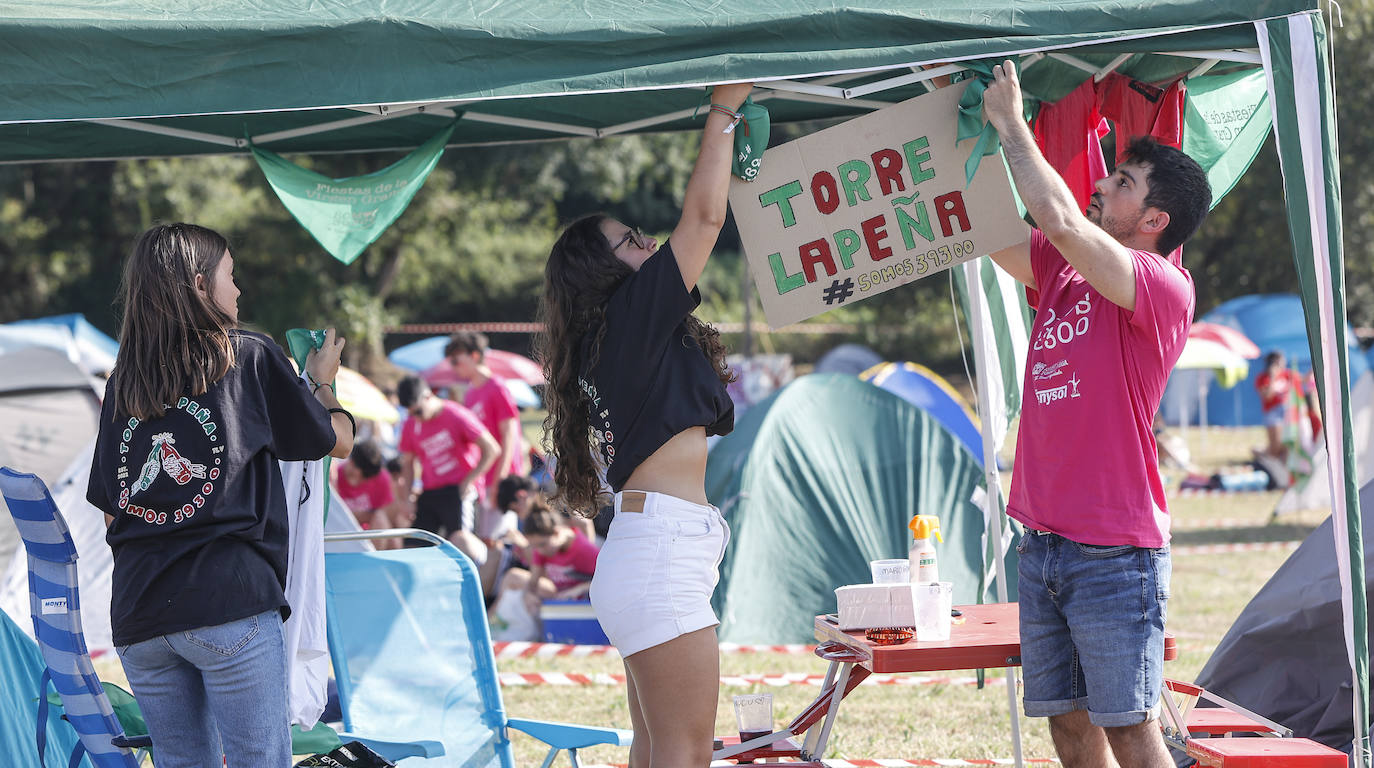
x: 123, y: 78
x: 85, y: 344
x: 1271, y: 321
x: 48, y: 412
x: 929, y: 391
x: 1276, y: 657
x: 852, y: 359
x: 810, y: 501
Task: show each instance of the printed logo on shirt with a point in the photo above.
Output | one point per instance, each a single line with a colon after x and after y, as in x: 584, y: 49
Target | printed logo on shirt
x: 1043, y: 372
x: 1069, y: 390
x: 181, y: 460
x: 1056, y: 331
x: 601, y: 423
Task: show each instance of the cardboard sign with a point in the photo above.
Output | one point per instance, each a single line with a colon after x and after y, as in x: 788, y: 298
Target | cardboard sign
x: 868, y: 205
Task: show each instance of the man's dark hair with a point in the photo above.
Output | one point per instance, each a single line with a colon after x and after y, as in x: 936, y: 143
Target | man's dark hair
x: 367, y: 457
x: 466, y: 342
x: 509, y: 486
x: 1273, y: 357
x: 1178, y: 186
x: 410, y: 390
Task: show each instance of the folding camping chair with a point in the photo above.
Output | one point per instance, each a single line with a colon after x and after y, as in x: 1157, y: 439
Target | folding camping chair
x: 56, y: 610
x: 413, y: 659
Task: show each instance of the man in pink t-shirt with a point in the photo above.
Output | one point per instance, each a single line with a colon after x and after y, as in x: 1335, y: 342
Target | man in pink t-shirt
x: 454, y: 452
x: 1112, y: 315
x: 492, y: 404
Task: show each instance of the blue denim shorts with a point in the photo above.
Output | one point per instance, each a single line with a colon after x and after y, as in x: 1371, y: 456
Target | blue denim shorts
x: 1092, y: 628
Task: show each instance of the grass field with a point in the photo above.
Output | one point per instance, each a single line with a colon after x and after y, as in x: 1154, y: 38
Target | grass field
x: 958, y: 720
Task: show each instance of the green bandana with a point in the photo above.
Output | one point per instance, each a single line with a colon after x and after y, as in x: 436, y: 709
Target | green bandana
x: 347, y: 215
x: 751, y: 138
x: 1226, y: 119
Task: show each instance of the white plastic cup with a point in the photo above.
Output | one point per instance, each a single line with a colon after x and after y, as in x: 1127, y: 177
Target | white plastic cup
x: 754, y: 715
x: 934, y: 599
x: 890, y: 571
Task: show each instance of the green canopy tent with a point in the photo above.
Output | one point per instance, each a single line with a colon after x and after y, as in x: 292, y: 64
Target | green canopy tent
x: 820, y: 478
x: 126, y: 78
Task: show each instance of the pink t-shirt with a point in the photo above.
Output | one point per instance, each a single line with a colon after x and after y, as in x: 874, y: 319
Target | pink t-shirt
x: 1086, y: 461
x: 572, y: 566
x: 447, y: 446
x: 372, y: 493
x: 492, y: 404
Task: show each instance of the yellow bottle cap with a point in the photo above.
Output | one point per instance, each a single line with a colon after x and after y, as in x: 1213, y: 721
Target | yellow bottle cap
x: 922, y: 526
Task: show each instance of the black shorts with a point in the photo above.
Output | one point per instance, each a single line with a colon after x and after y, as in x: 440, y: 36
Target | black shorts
x: 443, y: 511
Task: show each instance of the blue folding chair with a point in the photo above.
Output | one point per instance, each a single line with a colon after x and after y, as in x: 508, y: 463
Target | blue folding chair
x: 56, y: 610
x: 414, y: 664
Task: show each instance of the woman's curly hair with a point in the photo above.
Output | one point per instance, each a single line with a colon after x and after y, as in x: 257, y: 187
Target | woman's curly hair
x: 579, y: 279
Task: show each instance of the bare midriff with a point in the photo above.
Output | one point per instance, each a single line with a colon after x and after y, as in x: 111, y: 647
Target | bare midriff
x: 677, y: 468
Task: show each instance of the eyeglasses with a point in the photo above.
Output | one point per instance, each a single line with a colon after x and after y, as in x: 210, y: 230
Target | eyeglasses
x: 633, y: 236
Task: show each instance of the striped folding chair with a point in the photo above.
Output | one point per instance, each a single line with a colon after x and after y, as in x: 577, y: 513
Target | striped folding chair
x: 56, y: 610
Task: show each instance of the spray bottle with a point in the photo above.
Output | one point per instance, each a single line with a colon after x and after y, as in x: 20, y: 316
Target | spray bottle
x: 922, y: 555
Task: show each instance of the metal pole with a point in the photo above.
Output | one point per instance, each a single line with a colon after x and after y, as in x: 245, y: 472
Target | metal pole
x: 981, y: 370
x: 747, y: 346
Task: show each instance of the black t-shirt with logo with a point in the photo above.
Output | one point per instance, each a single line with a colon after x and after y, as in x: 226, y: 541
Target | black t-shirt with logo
x: 652, y: 379
x: 200, y: 526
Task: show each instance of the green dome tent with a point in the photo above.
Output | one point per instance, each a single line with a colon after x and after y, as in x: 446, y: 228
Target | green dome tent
x: 821, y: 478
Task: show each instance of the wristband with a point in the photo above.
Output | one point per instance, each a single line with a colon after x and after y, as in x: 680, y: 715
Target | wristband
x: 730, y: 113
x: 348, y: 416
x: 315, y: 385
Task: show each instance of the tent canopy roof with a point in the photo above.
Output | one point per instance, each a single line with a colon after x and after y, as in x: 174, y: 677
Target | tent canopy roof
x: 206, y: 75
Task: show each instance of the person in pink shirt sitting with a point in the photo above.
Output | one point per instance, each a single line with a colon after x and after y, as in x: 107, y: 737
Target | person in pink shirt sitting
x: 366, y: 487
x: 489, y: 400
x: 1113, y: 307
x: 454, y: 452
x: 562, y: 562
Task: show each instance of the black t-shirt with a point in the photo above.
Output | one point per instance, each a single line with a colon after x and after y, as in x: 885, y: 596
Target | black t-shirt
x: 652, y: 379
x: 200, y: 527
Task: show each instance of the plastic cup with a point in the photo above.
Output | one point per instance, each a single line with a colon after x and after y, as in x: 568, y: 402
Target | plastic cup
x: 754, y: 715
x: 934, y: 599
x: 890, y: 571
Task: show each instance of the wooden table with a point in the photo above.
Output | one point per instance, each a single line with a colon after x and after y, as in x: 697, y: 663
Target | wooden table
x: 985, y: 637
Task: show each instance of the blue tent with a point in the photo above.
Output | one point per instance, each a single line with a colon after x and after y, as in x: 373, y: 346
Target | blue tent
x: 71, y: 334
x: 1272, y: 321
x: 929, y: 391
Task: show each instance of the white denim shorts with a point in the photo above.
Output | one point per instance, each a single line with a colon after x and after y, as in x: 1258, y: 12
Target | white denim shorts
x: 657, y: 569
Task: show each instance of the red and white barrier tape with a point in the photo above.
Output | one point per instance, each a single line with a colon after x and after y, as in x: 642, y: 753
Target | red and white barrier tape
x: 1212, y: 525
x: 736, y: 681
x: 889, y: 763
x: 556, y: 650
x: 1219, y: 492
x: 1221, y: 549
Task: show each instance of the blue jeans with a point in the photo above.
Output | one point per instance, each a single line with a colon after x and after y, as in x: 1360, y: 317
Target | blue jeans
x: 215, y: 693
x: 1092, y: 628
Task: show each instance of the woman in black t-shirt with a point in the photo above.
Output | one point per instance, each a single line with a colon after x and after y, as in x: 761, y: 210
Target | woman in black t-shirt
x: 195, y: 417
x: 636, y: 384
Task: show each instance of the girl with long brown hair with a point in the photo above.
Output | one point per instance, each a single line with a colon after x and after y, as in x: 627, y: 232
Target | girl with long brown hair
x: 196, y: 415
x: 636, y: 383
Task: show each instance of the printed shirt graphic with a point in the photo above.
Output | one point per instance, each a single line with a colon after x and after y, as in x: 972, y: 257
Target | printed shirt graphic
x: 372, y: 493
x: 492, y: 404
x: 1086, y: 461
x: 572, y: 566
x: 446, y: 446
x: 651, y: 379
x: 199, y: 534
